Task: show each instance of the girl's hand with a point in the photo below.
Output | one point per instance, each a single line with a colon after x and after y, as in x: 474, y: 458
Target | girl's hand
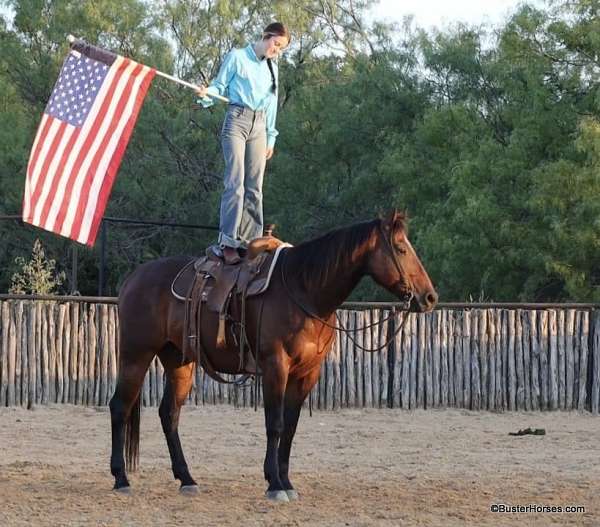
x: 201, y: 91
x: 269, y: 153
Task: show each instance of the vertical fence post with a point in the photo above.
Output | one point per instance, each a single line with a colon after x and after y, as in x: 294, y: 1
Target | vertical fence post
x: 74, y: 262
x: 103, y: 228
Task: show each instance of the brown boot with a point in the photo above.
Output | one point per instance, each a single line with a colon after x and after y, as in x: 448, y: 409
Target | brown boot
x: 231, y: 256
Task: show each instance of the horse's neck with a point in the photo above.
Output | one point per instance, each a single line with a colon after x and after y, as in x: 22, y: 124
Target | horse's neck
x: 326, y: 289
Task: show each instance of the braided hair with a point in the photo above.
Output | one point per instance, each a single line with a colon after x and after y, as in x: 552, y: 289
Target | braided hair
x: 273, y: 81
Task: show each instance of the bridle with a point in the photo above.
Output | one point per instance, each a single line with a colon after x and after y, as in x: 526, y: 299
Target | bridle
x: 340, y: 327
x: 390, y: 248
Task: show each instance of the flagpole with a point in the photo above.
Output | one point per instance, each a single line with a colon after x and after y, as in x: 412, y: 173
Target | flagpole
x: 72, y: 39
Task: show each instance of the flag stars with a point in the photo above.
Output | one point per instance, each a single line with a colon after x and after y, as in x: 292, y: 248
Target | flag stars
x: 78, y: 85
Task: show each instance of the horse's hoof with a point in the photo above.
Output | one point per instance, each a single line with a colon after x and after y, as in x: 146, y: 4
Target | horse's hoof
x: 292, y: 495
x: 123, y: 490
x: 189, y: 490
x: 277, y: 495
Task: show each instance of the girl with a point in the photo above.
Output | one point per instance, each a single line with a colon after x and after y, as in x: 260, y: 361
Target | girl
x: 248, y: 77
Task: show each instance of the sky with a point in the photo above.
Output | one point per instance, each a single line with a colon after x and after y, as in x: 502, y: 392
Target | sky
x: 437, y: 13
x: 440, y: 13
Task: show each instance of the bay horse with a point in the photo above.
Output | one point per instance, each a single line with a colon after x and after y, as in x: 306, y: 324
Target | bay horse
x: 310, y: 281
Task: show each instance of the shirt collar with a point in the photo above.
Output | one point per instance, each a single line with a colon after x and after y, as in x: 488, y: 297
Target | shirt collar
x: 252, y: 54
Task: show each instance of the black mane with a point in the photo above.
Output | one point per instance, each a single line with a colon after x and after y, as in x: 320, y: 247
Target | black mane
x: 315, y: 262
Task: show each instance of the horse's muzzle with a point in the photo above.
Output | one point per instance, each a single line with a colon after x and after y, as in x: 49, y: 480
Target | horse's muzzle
x: 424, y: 303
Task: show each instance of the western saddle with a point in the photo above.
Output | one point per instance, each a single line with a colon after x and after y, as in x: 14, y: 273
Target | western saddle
x: 207, y: 283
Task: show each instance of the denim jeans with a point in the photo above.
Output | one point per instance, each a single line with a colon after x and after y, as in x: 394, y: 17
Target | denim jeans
x: 244, y: 142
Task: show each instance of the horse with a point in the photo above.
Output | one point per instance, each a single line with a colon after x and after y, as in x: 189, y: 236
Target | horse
x: 309, y: 282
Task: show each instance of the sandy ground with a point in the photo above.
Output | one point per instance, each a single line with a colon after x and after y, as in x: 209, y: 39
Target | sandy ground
x: 353, y: 467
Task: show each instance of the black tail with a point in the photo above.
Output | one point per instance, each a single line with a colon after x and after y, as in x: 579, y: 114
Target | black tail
x: 132, y: 437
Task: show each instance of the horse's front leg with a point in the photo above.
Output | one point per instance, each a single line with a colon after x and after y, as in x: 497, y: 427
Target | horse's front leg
x: 295, y: 394
x: 275, y: 375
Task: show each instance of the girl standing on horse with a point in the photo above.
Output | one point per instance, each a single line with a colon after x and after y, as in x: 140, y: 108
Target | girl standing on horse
x: 248, y: 77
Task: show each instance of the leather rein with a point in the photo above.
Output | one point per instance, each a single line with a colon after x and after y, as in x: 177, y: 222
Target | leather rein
x: 340, y: 327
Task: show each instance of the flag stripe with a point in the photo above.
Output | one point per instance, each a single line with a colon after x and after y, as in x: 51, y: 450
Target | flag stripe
x: 105, y: 139
x: 116, y: 160
x: 46, y: 182
x: 45, y: 141
x: 47, y: 148
x: 57, y: 176
x: 35, y: 152
x: 111, y: 159
x: 51, y: 145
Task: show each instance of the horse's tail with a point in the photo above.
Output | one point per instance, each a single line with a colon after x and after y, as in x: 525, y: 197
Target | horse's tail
x: 132, y: 437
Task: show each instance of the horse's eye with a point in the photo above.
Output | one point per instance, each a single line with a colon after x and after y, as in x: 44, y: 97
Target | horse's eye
x: 400, y: 248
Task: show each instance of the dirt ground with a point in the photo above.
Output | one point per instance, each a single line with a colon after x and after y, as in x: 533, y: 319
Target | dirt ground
x: 353, y: 467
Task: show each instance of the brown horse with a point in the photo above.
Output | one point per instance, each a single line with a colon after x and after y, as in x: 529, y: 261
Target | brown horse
x: 298, y: 317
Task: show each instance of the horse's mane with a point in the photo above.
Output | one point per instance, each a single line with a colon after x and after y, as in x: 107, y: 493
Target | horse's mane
x: 316, y: 261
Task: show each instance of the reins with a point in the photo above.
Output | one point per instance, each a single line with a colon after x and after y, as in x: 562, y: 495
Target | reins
x: 340, y: 327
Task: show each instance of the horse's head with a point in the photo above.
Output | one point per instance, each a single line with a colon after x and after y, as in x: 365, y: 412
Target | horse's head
x: 394, y: 265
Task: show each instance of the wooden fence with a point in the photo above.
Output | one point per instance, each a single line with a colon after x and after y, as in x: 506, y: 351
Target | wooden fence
x: 489, y: 359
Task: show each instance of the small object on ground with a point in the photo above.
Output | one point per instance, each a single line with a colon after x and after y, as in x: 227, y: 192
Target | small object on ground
x: 529, y: 431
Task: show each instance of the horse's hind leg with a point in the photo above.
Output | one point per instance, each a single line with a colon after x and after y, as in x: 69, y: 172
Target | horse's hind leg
x: 125, y: 414
x: 178, y: 385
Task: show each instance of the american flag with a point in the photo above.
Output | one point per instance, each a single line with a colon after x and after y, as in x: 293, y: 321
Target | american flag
x: 79, y: 144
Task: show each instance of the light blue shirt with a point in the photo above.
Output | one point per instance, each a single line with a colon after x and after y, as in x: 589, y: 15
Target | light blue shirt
x: 246, y: 80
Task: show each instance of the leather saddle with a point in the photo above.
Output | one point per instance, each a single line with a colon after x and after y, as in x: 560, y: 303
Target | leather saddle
x: 207, y: 283
x: 250, y: 275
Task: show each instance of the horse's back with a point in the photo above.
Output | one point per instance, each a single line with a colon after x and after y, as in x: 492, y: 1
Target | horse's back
x: 153, y: 274
x: 145, y: 299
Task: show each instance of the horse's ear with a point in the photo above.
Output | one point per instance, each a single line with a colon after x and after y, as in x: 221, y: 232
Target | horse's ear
x: 395, y: 220
x: 392, y: 219
x: 401, y: 220
x: 387, y: 221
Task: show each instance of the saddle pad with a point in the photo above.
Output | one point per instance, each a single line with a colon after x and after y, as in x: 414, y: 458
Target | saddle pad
x: 261, y: 284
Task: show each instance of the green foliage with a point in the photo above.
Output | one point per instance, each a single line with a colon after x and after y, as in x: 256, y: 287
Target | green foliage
x: 38, y: 276
x: 488, y: 137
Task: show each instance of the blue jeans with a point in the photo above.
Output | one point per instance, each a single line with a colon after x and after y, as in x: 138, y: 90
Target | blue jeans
x: 244, y: 142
